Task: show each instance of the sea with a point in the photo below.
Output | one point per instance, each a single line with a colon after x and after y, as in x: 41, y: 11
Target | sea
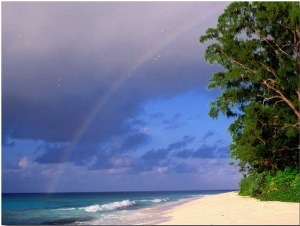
x: 93, y: 208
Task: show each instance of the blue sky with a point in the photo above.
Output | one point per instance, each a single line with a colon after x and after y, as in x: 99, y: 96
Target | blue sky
x: 110, y: 96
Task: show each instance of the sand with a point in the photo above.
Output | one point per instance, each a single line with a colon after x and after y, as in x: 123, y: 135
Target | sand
x: 231, y: 209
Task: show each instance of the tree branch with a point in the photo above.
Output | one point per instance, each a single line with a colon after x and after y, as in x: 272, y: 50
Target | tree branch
x: 269, y: 98
x: 237, y: 62
x: 272, y: 44
x: 267, y: 68
x: 282, y: 96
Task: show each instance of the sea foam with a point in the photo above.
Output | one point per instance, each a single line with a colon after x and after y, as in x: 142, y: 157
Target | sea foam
x: 155, y: 200
x: 71, y: 208
x: 109, y: 206
x: 160, y: 200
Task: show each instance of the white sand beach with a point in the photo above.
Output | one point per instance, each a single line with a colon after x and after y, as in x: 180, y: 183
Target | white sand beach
x: 231, y: 209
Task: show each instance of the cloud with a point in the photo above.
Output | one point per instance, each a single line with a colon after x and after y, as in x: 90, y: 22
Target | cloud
x: 204, y: 152
x: 152, y: 158
x: 66, y: 72
x: 162, y: 157
x: 223, y: 152
x: 24, y: 162
x: 6, y: 142
x: 114, y: 164
x: 78, y: 154
x: 210, y: 133
x: 211, y: 152
x: 182, y: 143
x: 86, y: 153
x: 171, y: 156
x: 75, y: 77
x: 157, y: 115
x: 185, y: 153
x: 183, y: 168
x: 102, y: 161
x: 132, y: 141
x: 173, y: 123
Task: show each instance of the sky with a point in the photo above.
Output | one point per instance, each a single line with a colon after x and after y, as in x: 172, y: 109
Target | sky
x: 110, y: 96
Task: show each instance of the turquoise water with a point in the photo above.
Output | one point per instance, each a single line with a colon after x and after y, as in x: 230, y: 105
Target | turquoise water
x: 90, y: 208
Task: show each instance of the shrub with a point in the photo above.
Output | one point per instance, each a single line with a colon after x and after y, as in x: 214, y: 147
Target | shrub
x: 272, y: 186
x: 283, y: 186
x: 252, y: 185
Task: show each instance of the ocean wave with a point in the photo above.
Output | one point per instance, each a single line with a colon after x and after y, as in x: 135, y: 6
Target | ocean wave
x: 71, y: 208
x: 93, y: 208
x: 109, y: 206
x: 160, y: 200
x: 154, y: 200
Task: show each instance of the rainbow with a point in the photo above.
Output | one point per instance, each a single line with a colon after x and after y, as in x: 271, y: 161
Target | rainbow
x: 147, y: 55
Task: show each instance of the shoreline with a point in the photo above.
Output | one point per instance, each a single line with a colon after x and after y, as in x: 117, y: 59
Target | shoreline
x: 229, y: 209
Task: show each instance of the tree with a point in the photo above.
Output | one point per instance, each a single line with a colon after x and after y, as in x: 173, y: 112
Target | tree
x: 258, y: 45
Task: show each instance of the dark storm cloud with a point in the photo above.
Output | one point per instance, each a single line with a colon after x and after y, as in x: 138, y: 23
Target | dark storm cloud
x: 75, y: 73
x: 60, y: 59
x: 53, y: 153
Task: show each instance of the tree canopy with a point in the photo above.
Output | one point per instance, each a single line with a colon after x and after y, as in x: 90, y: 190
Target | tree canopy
x: 258, y: 46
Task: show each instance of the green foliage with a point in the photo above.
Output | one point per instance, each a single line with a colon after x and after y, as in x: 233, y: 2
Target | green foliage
x: 258, y: 45
x: 277, y: 186
x: 252, y: 185
x: 260, y: 140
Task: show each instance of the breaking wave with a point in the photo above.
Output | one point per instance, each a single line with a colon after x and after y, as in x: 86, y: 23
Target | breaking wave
x: 159, y: 200
x: 155, y: 200
x: 71, y: 208
x: 109, y: 206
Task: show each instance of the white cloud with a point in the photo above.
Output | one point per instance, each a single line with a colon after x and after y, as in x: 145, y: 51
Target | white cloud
x: 24, y: 162
x: 162, y: 169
